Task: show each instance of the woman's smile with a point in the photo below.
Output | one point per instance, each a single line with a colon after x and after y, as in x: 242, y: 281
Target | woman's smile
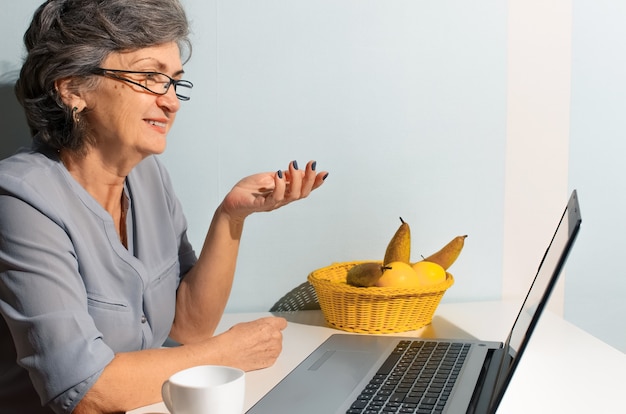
x: 158, y: 124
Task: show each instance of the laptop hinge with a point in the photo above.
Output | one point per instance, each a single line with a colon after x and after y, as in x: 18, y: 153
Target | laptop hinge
x: 483, y: 392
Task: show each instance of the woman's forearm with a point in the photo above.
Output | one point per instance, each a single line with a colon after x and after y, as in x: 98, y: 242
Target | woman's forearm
x: 134, y: 379
x: 204, y: 291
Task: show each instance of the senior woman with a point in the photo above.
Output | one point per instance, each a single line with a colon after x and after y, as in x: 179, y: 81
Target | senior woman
x: 96, y: 271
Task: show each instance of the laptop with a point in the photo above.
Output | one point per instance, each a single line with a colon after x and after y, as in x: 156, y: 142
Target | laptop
x: 351, y: 373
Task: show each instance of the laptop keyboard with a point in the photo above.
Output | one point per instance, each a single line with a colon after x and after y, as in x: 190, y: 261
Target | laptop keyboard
x: 417, y: 377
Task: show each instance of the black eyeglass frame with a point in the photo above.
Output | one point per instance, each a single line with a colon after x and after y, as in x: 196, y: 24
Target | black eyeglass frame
x: 113, y: 73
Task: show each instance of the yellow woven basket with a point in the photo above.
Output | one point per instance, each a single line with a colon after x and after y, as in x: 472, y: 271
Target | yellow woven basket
x: 374, y: 309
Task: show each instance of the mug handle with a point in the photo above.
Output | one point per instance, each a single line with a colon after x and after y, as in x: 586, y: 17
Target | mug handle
x: 165, y: 393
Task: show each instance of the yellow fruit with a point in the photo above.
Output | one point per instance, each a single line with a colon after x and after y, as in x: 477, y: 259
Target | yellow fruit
x: 364, y: 274
x: 399, y: 247
x: 399, y: 274
x: 448, y: 253
x: 429, y: 273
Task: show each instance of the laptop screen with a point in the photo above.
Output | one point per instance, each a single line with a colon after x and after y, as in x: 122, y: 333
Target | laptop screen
x: 549, y: 269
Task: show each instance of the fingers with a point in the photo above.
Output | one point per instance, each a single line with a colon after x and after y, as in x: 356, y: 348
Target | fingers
x: 280, y: 186
x: 309, y: 179
x: 295, y: 182
x: 275, y: 321
x: 319, y: 179
x: 300, y: 183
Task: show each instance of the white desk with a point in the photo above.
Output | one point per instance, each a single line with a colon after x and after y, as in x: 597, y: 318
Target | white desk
x: 564, y: 369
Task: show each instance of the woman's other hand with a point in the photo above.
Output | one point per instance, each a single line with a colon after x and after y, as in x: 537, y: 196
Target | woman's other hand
x: 253, y: 345
x: 269, y: 191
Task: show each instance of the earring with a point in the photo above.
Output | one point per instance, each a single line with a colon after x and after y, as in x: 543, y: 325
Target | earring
x: 75, y: 115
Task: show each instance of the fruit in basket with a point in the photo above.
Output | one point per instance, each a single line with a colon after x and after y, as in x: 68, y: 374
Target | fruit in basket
x: 365, y: 274
x: 448, y: 253
x: 400, y: 275
x: 399, y: 247
x: 429, y: 273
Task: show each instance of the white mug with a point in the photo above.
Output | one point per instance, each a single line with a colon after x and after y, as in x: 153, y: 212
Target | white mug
x: 205, y: 389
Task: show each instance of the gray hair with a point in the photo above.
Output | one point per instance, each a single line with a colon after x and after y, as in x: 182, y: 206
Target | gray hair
x: 68, y: 39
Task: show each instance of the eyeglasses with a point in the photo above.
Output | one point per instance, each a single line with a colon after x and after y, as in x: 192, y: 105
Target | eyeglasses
x: 155, y: 82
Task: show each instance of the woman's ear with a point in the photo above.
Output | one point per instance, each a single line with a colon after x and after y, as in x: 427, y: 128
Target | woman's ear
x: 69, y: 94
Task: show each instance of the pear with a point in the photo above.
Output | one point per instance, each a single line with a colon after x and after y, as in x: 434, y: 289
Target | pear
x: 365, y: 274
x: 399, y: 247
x: 448, y: 253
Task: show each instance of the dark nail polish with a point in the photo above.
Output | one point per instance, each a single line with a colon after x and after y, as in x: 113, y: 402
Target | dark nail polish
x: 313, y: 165
x: 295, y: 164
x: 280, y: 174
x: 325, y: 175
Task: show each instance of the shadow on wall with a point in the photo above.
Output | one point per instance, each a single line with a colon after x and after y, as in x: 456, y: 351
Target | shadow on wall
x: 14, y: 131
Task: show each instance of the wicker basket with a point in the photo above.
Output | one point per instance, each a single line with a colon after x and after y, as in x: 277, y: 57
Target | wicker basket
x: 374, y: 309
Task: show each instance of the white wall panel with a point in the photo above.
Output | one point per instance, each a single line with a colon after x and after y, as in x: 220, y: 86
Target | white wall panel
x: 537, y: 153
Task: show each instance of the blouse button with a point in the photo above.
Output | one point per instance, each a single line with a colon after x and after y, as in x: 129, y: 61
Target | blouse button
x: 143, y: 319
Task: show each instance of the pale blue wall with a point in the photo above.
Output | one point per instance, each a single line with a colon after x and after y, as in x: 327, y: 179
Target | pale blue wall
x: 404, y: 103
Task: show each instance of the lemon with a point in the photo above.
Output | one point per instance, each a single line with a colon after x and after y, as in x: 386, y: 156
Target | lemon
x: 399, y: 274
x: 429, y: 273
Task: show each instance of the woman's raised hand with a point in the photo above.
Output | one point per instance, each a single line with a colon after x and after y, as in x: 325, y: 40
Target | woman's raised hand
x: 271, y: 190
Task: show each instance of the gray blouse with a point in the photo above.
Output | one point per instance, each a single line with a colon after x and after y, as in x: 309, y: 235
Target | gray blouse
x: 71, y: 295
